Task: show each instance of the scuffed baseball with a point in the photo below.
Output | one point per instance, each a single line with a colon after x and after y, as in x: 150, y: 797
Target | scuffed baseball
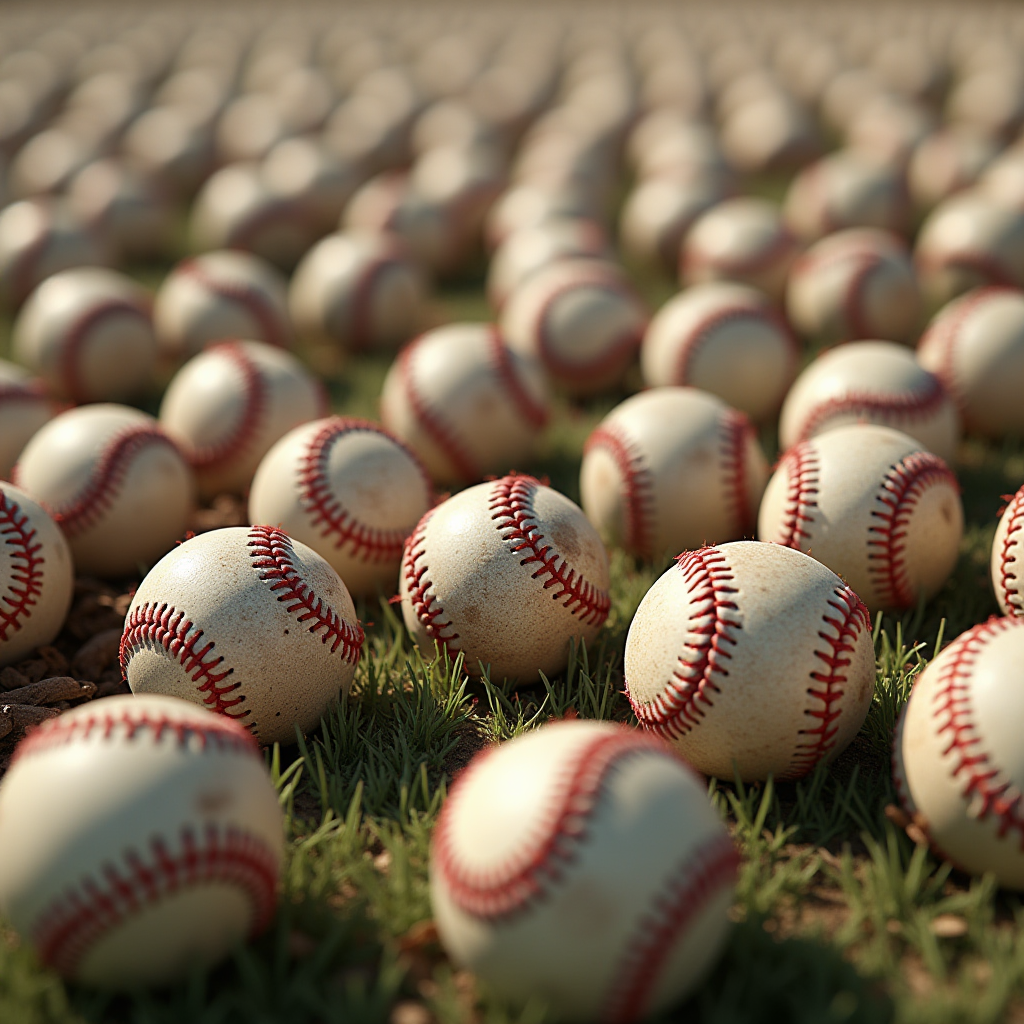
x: 350, y: 491
x: 975, y: 346
x: 24, y: 408
x: 357, y: 291
x: 114, y: 481
x: 88, y: 333
x: 506, y: 573
x: 1006, y: 564
x: 752, y: 659
x: 579, y: 808
x: 871, y: 382
x: 582, y: 319
x: 669, y: 469
x: 248, y: 623
x: 465, y: 403
x: 726, y: 339
x: 219, y: 296
x: 142, y: 839
x: 872, y: 505
x: 226, y: 406
x: 36, y: 575
x: 958, y: 762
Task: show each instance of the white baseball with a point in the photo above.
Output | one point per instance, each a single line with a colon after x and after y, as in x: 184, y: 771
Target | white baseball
x: 726, y: 339
x: 117, y: 485
x: 24, y: 408
x: 248, y: 623
x: 465, y: 403
x: 226, y: 406
x: 753, y: 659
x: 855, y: 284
x: 872, y: 505
x: 969, y: 240
x: 582, y: 864
x: 581, y: 318
x: 975, y: 346
x: 526, y: 206
x: 142, y: 839
x: 357, y: 291
x: 672, y: 468
x: 1007, y: 561
x: 946, y: 162
x: 507, y: 573
x: 219, y: 296
x: 89, y: 334
x: 958, y: 762
x: 871, y: 382
x: 36, y: 574
x: 349, y: 490
x: 743, y: 240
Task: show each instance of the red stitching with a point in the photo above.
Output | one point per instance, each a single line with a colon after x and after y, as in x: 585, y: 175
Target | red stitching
x: 694, y: 882
x: 527, y: 877
x: 103, y: 484
x: 980, y: 262
x: 222, y: 733
x: 738, y: 432
x: 361, y: 319
x: 535, y: 413
x: 854, y: 313
x: 77, y: 335
x: 272, y: 556
x: 713, y: 614
x: 245, y: 294
x: 801, y: 466
x: 17, y: 391
x: 1014, y: 519
x: 164, y: 625
x: 325, y: 508
x: 254, y: 399
x: 900, y: 492
x: 426, y: 606
x: 850, y: 616
x: 96, y: 904
x: 637, y: 485
x: 901, y: 406
x: 511, y: 507
x: 24, y: 582
x: 620, y: 351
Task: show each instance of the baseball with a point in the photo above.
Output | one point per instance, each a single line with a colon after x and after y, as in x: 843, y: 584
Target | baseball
x: 527, y: 206
x: 975, y: 346
x: 669, y: 469
x: 957, y: 758
x: 226, y: 406
x: 248, y: 623
x: 1007, y: 559
x: 464, y: 402
x: 506, y: 573
x: 357, y: 291
x: 24, y: 408
x: 350, y: 491
x: 220, y: 296
x: 582, y: 319
x: 752, y: 659
x: 946, y: 162
x: 37, y: 574
x: 855, y: 284
x: 582, y: 863
x: 88, y: 333
x: 142, y: 838
x: 872, y: 505
x: 726, y: 339
x: 967, y: 241
x: 871, y: 382
x: 742, y: 240
x: 117, y: 485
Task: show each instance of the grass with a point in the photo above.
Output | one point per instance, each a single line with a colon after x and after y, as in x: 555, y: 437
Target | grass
x: 838, y: 916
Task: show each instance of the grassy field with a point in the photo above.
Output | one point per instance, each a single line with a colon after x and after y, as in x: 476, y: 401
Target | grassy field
x: 839, y: 917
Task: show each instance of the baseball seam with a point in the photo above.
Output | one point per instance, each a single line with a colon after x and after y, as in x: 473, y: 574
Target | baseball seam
x: 360, y: 317
x: 427, y: 608
x: 1014, y: 519
x: 637, y: 486
x: 272, y: 557
x: 714, y: 613
x: 802, y: 468
x: 324, y: 507
x: 737, y: 433
x: 899, y: 493
x: 535, y: 413
x: 983, y: 263
x: 24, y: 584
x: 511, y: 508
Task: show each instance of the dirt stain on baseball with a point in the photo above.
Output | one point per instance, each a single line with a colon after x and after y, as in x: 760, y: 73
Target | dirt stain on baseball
x: 566, y: 540
x: 214, y: 801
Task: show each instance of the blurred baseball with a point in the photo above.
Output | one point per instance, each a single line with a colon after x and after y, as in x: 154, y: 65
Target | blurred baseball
x: 24, y: 408
x: 1006, y: 564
